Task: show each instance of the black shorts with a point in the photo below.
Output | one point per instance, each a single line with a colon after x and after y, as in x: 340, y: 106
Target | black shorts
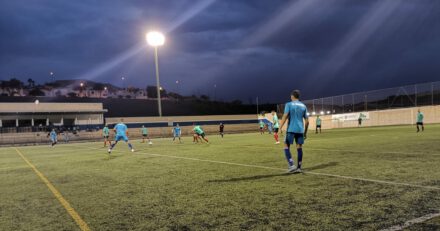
x: 201, y: 134
x: 106, y: 137
x: 318, y: 126
x: 261, y: 128
x: 144, y: 135
x: 276, y: 130
x: 419, y: 123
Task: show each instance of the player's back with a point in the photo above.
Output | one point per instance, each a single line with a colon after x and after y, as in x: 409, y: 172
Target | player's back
x: 121, y: 129
x: 297, y: 111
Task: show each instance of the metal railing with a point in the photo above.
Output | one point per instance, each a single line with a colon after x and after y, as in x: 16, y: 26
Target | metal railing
x: 423, y: 94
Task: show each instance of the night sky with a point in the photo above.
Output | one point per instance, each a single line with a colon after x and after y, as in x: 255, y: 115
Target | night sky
x: 246, y: 48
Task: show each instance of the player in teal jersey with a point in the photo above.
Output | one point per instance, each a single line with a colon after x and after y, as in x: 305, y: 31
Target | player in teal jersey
x: 420, y: 117
x: 295, y: 113
x: 318, y: 124
x: 106, y: 134
x: 121, y: 134
x: 144, y: 132
x: 53, y: 137
x: 200, y: 133
x: 262, y: 127
x: 276, y: 126
x: 177, y: 132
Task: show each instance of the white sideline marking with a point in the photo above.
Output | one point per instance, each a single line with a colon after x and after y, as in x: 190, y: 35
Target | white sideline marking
x: 412, y: 222
x: 357, y: 151
x: 306, y: 172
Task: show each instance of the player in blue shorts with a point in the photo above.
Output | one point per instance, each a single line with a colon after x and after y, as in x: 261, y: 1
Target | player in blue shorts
x: 296, y: 114
x: 177, y: 133
x: 121, y: 134
x: 53, y: 137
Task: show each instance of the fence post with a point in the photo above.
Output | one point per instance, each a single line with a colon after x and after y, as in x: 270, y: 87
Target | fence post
x: 352, y: 102
x: 343, y: 105
x: 432, y: 93
x: 366, y: 103
x: 415, y: 94
x: 333, y: 111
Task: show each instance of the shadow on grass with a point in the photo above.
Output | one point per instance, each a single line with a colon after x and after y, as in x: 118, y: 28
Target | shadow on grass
x: 111, y: 157
x: 258, y: 177
x: 321, y: 166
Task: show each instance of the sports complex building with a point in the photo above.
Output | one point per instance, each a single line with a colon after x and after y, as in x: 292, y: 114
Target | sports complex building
x: 23, y: 121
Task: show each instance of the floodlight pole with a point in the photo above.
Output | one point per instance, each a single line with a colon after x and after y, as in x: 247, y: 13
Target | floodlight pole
x: 156, y: 61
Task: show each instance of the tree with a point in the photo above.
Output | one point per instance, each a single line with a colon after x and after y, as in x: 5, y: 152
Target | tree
x: 204, y: 97
x: 15, y: 83
x: 31, y: 83
x: 72, y: 94
x: 152, y: 92
x: 36, y: 92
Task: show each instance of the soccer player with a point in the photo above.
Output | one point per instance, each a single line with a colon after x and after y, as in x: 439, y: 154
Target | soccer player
x: 177, y: 133
x: 360, y: 120
x: 276, y: 126
x: 200, y: 133
x: 318, y: 124
x: 296, y: 113
x: 105, y: 134
x: 144, y: 132
x: 221, y: 129
x: 420, y: 117
x: 53, y: 137
x: 262, y: 127
x: 121, y: 134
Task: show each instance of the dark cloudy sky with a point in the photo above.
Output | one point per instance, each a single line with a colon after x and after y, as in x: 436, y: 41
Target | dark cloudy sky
x: 247, y: 48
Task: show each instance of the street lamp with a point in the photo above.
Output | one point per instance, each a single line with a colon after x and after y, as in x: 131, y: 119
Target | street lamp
x: 156, y: 39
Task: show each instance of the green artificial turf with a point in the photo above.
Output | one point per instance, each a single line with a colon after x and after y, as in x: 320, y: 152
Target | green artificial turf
x: 235, y: 183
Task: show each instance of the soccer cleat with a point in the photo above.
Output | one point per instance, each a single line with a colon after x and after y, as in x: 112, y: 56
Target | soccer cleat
x: 292, y: 169
x: 298, y: 170
x: 278, y: 142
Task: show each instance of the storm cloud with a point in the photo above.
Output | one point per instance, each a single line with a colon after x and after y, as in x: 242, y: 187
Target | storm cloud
x: 245, y: 48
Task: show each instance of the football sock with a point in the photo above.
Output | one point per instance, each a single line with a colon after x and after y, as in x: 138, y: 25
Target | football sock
x: 276, y: 136
x: 300, y: 156
x: 130, y: 146
x: 288, y: 156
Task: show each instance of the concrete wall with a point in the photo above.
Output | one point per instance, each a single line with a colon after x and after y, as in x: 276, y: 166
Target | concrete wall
x: 403, y: 116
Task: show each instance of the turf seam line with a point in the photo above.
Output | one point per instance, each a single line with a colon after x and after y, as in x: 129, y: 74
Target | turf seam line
x: 412, y: 222
x: 306, y: 172
x: 76, y: 217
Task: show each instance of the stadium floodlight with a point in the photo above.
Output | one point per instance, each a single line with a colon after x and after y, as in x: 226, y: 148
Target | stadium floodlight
x: 156, y: 39
x: 81, y: 84
x: 328, y: 112
x: 308, y: 114
x: 105, y: 88
x: 37, y: 102
x: 322, y: 112
x: 313, y: 113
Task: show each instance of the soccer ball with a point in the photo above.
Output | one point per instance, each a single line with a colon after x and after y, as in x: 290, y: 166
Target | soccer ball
x: 150, y: 143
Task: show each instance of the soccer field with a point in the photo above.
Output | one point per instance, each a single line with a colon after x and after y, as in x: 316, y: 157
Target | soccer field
x: 354, y: 179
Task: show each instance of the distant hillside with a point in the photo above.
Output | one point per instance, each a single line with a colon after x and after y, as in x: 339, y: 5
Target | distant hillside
x: 142, y: 107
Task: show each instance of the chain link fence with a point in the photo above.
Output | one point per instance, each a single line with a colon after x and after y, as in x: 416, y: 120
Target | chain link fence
x: 423, y: 94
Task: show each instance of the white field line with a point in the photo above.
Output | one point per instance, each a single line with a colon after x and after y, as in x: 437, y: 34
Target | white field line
x: 357, y: 151
x: 412, y: 222
x: 283, y: 169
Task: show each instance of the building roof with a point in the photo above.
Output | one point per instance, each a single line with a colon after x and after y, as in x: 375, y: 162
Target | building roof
x: 50, y: 108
